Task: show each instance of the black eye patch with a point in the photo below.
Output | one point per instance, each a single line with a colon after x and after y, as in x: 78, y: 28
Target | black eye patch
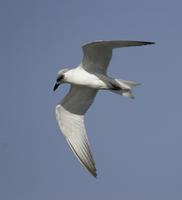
x: 60, y: 78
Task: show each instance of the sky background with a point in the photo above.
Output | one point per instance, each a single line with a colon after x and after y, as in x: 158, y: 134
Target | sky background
x: 137, y: 144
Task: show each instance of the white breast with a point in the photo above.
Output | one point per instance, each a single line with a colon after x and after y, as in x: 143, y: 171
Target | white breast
x: 79, y: 76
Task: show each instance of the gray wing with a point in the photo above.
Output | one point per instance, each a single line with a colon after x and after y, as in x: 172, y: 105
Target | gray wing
x: 70, y: 117
x: 98, y: 54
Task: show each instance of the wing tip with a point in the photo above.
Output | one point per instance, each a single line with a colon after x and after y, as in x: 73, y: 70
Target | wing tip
x: 93, y: 172
x: 95, y: 175
x: 92, y: 169
x: 148, y: 43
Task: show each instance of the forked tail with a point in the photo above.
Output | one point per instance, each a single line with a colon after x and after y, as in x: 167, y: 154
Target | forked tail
x: 126, y: 87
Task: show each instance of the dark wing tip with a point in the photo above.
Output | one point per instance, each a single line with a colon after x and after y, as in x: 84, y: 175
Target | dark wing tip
x: 91, y: 169
x: 147, y: 43
x: 94, y: 173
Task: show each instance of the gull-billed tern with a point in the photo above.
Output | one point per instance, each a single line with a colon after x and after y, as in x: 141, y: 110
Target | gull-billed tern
x: 85, y: 80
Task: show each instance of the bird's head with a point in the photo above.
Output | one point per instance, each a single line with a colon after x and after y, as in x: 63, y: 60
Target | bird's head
x: 60, y: 78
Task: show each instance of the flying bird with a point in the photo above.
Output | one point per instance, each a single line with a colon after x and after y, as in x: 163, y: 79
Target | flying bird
x: 85, y: 80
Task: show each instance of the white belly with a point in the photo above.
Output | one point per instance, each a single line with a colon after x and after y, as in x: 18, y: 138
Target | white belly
x: 79, y: 76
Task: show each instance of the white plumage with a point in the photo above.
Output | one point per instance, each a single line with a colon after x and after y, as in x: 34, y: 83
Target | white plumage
x: 86, y: 79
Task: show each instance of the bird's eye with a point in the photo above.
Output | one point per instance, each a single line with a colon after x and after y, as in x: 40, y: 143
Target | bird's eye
x: 60, y: 78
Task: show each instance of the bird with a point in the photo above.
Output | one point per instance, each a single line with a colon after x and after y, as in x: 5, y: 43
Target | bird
x: 85, y: 81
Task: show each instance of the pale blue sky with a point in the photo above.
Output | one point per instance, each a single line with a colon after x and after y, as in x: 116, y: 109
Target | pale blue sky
x: 137, y: 145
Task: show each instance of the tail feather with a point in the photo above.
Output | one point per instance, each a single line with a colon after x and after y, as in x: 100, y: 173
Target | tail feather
x: 128, y: 94
x: 130, y: 84
x: 126, y: 87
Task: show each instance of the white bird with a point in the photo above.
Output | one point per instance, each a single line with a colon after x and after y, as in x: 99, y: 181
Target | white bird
x: 85, y: 80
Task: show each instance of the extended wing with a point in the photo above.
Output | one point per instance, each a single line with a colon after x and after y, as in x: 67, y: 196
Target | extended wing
x: 98, y: 54
x: 70, y: 117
